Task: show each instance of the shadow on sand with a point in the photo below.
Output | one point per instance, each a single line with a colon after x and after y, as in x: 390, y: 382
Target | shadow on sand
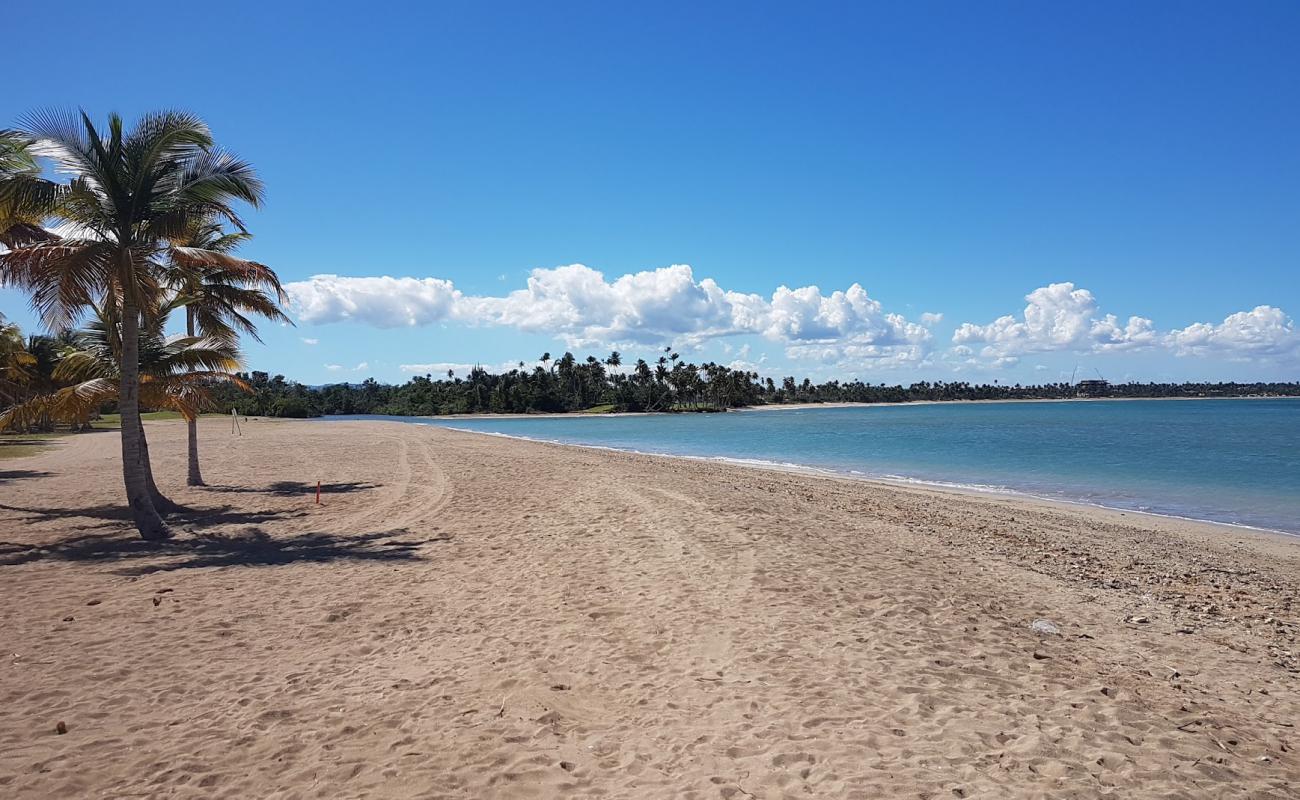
x: 10, y: 475
x: 293, y: 488
x: 252, y: 549
x: 193, y: 548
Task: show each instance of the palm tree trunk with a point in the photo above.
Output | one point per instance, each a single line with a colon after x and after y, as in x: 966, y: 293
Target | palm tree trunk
x: 134, y: 463
x: 194, y: 477
x: 161, y: 502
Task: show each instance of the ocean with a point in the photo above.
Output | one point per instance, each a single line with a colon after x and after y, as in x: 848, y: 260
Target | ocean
x: 1229, y: 461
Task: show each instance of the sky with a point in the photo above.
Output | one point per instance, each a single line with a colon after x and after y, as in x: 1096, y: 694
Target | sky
x: 1012, y: 191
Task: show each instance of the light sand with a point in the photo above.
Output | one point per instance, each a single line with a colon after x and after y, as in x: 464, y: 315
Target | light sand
x: 468, y: 616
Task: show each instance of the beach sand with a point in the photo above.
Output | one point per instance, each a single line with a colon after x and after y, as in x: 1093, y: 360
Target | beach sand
x: 470, y: 616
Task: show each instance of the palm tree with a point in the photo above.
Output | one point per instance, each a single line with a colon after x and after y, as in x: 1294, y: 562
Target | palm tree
x: 130, y: 194
x: 218, y: 291
x: 176, y: 373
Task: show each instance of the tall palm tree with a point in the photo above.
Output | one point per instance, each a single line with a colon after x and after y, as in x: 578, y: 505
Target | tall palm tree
x: 130, y: 194
x: 218, y: 291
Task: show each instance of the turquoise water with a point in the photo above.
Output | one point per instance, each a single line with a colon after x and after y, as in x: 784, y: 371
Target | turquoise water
x: 1234, y: 461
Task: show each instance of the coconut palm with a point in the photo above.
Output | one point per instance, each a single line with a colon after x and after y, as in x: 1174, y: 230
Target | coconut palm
x: 176, y: 373
x: 130, y: 194
x: 219, y: 292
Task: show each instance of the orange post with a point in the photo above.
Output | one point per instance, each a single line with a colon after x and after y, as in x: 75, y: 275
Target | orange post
x: 317, y: 492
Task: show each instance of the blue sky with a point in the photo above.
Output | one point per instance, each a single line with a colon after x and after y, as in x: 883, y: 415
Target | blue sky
x: 949, y: 159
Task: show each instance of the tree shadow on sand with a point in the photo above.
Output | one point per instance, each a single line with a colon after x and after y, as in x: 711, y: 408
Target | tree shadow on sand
x: 193, y: 547
x: 10, y: 475
x: 115, y: 514
x: 294, y: 488
x: 252, y: 548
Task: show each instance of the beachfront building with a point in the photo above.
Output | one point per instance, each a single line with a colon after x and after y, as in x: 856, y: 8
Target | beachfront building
x: 1096, y: 388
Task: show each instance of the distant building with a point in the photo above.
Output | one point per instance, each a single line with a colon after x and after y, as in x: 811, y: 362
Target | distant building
x: 1092, y: 388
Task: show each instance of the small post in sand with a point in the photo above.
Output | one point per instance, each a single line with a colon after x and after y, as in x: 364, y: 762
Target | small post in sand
x: 234, y: 423
x: 317, y: 492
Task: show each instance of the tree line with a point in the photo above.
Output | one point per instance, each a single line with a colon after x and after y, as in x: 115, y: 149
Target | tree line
x: 567, y: 384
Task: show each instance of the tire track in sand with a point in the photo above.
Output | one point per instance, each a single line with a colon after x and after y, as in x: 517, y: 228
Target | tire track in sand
x: 409, y: 498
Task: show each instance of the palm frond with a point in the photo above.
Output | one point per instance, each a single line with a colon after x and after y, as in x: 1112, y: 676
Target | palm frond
x: 28, y: 413
x: 216, y: 176
x: 63, y: 276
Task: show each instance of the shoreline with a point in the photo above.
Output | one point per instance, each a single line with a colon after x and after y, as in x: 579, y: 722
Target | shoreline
x: 898, y: 482
x: 792, y: 407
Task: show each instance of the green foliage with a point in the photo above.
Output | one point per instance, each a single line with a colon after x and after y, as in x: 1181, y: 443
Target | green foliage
x: 568, y: 385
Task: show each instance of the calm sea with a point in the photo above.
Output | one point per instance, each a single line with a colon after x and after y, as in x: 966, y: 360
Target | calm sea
x: 1234, y: 461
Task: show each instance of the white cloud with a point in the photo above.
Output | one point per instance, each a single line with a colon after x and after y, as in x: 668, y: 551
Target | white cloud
x: 577, y: 303
x: 1264, y: 331
x: 1060, y: 317
x: 666, y: 305
x: 362, y: 366
x: 845, y: 329
x: 383, y: 302
x: 1057, y: 317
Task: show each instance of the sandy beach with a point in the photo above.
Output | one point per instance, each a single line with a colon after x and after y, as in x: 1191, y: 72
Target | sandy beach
x: 471, y: 616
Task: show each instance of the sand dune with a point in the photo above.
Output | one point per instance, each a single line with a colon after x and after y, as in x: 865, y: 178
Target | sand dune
x: 467, y: 616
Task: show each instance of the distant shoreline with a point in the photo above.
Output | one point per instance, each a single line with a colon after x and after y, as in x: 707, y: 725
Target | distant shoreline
x: 791, y: 406
x: 806, y: 406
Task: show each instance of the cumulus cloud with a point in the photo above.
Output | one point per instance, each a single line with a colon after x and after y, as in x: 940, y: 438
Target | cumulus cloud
x: 1057, y: 317
x: 1061, y: 317
x: 383, y: 302
x: 1264, y: 331
x: 310, y: 341
x: 581, y: 306
x: 333, y: 367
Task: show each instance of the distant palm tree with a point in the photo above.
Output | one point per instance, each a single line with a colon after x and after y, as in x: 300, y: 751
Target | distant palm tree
x: 130, y: 194
x: 218, y: 292
x: 16, y: 362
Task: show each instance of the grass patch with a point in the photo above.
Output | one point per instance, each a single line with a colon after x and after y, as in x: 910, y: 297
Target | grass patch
x: 115, y: 420
x: 22, y: 447
x: 606, y: 408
